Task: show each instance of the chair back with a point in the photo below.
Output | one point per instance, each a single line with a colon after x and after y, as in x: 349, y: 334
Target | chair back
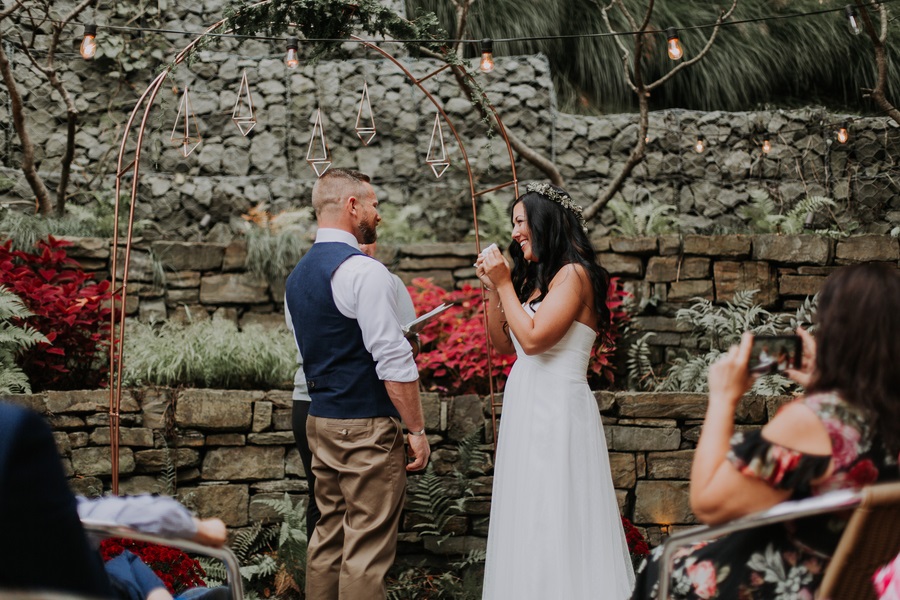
x: 870, y: 541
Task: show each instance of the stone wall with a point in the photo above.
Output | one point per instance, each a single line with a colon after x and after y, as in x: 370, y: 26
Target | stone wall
x: 664, y: 273
x: 232, y: 447
x: 203, y: 197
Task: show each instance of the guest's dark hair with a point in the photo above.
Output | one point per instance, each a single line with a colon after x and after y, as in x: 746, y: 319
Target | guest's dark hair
x: 557, y: 240
x: 858, y: 343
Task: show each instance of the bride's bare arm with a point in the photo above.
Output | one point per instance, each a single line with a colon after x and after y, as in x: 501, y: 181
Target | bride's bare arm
x: 497, y: 327
x: 561, y: 306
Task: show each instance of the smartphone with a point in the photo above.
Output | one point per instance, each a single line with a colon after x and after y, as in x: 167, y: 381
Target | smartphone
x: 775, y: 353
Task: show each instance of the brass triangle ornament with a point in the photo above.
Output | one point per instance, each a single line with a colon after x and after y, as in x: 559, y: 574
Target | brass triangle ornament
x: 437, y: 153
x: 186, y: 131
x: 243, y: 114
x: 317, y: 154
x: 365, y: 120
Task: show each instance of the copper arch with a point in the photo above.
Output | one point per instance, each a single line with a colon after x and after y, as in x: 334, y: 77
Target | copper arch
x: 146, y: 100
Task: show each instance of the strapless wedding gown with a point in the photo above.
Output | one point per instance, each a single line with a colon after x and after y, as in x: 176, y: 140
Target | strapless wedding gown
x: 555, y: 530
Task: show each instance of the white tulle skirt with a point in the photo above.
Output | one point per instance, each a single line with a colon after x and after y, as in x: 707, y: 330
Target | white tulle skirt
x: 555, y: 529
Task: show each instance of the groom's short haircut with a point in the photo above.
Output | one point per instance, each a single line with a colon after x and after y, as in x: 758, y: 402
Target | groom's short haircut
x: 335, y: 185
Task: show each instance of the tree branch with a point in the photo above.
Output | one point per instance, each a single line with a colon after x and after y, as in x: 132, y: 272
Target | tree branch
x: 42, y: 196
x: 604, y: 12
x: 878, y: 39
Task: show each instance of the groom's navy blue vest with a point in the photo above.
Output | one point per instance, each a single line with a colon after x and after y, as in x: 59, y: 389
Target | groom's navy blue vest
x: 340, y: 372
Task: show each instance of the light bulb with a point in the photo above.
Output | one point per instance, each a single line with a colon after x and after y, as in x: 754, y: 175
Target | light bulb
x: 674, y: 45
x: 291, y: 60
x: 843, y: 134
x: 700, y: 146
x: 487, y: 56
x: 766, y: 146
x: 852, y: 19
x: 89, y: 43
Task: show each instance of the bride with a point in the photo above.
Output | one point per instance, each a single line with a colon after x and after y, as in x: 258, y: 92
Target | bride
x: 555, y: 529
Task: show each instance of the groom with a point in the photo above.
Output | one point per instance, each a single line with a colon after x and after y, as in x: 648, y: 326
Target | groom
x: 362, y: 380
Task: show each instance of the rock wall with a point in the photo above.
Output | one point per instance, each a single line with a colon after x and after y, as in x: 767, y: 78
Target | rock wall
x: 232, y: 447
x: 664, y: 273
x: 203, y: 197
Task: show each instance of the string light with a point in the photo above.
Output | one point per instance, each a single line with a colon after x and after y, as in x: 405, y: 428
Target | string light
x: 766, y: 146
x: 852, y: 19
x: 673, y: 47
x: 291, y: 60
x: 487, y: 56
x: 700, y: 146
x: 843, y: 135
x: 89, y: 43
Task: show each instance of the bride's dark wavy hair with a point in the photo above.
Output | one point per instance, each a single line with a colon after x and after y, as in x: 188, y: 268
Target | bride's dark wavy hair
x: 858, y: 343
x: 557, y: 240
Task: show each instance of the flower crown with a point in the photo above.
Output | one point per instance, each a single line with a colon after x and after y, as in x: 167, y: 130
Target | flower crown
x: 560, y: 197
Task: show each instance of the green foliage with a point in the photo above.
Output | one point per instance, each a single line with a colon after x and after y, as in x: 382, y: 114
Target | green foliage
x: 716, y: 328
x: 210, y: 353
x: 272, y: 254
x: 94, y: 219
x: 272, y: 555
x: 764, y: 216
x: 750, y: 64
x: 402, y: 224
x: 14, y: 337
x: 329, y: 21
x: 493, y: 220
x: 649, y: 218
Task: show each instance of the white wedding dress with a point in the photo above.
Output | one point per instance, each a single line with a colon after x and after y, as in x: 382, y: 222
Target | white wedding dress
x: 555, y: 530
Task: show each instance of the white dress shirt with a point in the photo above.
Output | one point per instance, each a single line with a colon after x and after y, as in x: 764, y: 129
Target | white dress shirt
x: 363, y: 289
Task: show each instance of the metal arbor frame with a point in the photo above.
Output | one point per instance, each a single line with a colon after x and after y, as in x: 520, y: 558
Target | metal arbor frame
x: 129, y: 163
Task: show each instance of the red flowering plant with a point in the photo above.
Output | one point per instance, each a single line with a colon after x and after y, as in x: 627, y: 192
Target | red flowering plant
x: 453, y: 358
x: 70, y: 309
x: 177, y: 570
x: 637, y: 545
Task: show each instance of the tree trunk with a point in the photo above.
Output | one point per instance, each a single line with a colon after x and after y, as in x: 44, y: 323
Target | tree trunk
x: 42, y: 195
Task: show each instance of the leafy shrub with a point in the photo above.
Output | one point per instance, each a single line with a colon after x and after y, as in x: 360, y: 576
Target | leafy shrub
x: 650, y: 218
x: 764, y: 216
x: 272, y: 555
x: 716, y: 328
x: 453, y: 358
x: 210, y: 353
x: 69, y: 309
x: 14, y: 339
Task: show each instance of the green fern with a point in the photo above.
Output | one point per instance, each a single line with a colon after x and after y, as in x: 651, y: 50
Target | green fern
x: 716, y: 328
x: 650, y: 218
x: 14, y: 338
x: 493, y: 220
x: 429, y: 498
x: 640, y: 369
x: 403, y: 224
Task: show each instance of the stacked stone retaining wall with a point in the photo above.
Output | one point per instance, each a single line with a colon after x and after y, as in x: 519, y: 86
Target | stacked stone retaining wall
x: 231, y: 447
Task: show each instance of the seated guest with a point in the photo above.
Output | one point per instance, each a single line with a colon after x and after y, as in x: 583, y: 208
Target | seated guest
x: 843, y: 433
x: 48, y: 550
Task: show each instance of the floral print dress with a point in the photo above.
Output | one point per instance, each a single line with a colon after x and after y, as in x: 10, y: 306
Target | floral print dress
x: 782, y: 561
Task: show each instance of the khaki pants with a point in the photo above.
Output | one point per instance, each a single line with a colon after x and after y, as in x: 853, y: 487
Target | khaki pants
x: 360, y: 469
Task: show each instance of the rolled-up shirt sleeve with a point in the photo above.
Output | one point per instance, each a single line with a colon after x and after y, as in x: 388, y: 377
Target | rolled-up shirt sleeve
x: 364, y: 290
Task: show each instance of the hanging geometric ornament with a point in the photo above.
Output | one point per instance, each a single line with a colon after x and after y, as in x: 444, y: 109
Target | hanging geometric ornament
x: 437, y: 153
x: 188, y: 136
x: 243, y: 114
x: 365, y: 120
x: 317, y: 154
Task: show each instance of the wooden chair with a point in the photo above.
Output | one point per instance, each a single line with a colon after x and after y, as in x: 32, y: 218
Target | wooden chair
x: 101, y: 530
x: 871, y: 539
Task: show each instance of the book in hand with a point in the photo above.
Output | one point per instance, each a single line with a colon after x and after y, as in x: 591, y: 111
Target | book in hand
x: 419, y: 323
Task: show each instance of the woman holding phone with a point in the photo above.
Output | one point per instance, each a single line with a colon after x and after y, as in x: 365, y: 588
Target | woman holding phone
x: 843, y: 433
